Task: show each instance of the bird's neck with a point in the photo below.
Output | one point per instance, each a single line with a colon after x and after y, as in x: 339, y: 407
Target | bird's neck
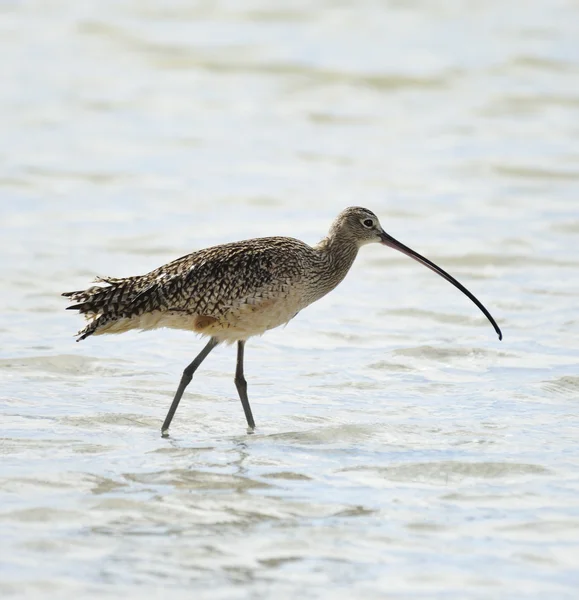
x: 336, y: 255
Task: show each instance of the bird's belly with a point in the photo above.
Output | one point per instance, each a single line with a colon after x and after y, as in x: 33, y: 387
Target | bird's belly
x: 246, y: 318
x: 256, y: 317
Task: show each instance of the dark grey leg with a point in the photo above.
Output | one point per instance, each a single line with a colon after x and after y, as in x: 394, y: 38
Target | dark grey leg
x: 185, y: 380
x: 241, y: 385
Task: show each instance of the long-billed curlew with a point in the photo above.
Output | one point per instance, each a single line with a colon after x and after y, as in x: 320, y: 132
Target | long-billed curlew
x: 235, y: 291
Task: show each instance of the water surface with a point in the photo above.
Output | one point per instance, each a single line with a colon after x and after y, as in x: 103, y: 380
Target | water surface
x: 401, y: 449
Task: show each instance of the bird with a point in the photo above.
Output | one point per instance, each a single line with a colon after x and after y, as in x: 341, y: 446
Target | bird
x: 235, y: 291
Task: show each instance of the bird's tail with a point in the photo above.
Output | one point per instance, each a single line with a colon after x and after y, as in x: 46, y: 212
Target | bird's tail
x: 102, y: 304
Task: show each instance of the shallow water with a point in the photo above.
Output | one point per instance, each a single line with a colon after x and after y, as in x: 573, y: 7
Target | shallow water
x: 401, y: 449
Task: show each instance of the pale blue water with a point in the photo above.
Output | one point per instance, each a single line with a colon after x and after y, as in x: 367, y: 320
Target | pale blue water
x: 401, y: 449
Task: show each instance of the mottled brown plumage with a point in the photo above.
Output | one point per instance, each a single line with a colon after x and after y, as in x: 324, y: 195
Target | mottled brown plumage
x: 231, y: 292
x: 235, y: 291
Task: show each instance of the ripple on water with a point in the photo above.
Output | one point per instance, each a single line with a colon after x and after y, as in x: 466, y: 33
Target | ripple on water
x: 431, y: 315
x: 344, y: 433
x: 536, y: 173
x: 443, y: 471
x: 390, y: 366
x: 564, y: 529
x: 562, y: 386
x: 42, y: 515
x: 192, y: 479
x: 444, y: 353
x: 571, y: 227
x: 65, y: 364
x: 108, y: 420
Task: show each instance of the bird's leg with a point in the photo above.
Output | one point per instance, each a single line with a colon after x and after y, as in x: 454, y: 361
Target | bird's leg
x: 185, y: 380
x: 241, y: 385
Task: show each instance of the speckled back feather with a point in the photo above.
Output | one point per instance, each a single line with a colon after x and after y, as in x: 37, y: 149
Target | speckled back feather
x: 207, y: 282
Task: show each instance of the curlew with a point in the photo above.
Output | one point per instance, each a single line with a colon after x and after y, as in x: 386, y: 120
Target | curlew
x: 234, y: 291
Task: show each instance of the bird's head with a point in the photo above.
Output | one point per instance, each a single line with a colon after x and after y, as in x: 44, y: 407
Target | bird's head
x: 359, y: 225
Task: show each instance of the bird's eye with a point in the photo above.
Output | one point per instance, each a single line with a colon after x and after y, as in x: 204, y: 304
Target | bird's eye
x: 368, y: 223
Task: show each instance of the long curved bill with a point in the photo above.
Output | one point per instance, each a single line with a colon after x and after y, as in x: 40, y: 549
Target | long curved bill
x: 388, y: 240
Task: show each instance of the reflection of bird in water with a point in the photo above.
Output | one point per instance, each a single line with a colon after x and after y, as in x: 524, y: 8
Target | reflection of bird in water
x: 235, y: 291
